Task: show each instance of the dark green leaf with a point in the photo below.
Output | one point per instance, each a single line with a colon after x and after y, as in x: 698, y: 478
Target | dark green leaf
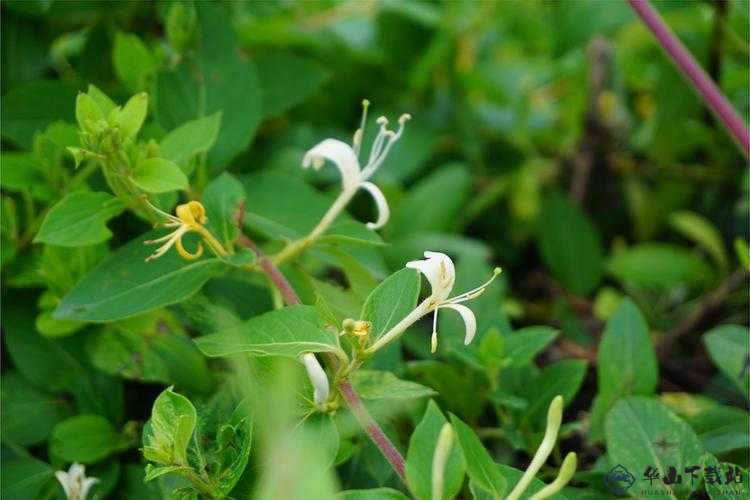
x: 79, y: 219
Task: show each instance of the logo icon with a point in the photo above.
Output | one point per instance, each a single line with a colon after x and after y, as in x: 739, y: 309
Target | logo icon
x: 619, y: 480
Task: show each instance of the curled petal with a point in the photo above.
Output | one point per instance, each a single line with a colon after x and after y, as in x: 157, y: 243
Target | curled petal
x: 439, y: 270
x: 470, y: 321
x: 380, y: 202
x: 317, y: 376
x: 340, y: 154
x: 62, y: 477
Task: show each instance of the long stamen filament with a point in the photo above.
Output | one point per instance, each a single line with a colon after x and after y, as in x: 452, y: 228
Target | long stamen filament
x: 360, y: 132
x: 476, y: 292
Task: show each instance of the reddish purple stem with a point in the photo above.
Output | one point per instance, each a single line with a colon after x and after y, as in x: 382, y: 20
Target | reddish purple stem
x: 351, y: 397
x: 702, y: 83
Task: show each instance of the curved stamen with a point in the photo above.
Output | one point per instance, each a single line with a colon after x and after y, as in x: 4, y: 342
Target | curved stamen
x: 185, y: 254
x: 476, y: 292
x: 360, y: 132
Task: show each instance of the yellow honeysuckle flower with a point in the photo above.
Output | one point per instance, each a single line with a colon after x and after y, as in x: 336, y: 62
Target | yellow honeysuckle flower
x: 191, y: 216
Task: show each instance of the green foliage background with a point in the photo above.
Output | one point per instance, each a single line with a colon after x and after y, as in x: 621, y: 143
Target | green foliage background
x: 554, y: 139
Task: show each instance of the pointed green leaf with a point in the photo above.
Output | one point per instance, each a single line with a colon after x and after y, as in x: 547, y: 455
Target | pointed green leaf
x: 79, y: 219
x: 290, y: 331
x: 167, y: 435
x: 157, y: 175
x: 222, y: 198
x: 87, y: 111
x: 131, y: 118
x: 87, y: 439
x: 375, y: 384
x: 391, y: 301
x: 729, y: 348
x: 420, y: 455
x: 189, y: 139
x: 482, y: 470
x: 124, y: 284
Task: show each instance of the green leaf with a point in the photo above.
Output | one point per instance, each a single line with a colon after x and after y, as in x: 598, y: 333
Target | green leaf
x: 742, y: 250
x: 190, y: 139
x: 79, y: 219
x: 728, y: 347
x: 482, y: 470
x: 88, y: 112
x: 290, y: 332
x: 420, y: 455
x: 522, y: 346
x: 569, y: 245
x: 375, y: 384
x: 700, y: 230
x: 132, y: 61
x: 167, y: 434
x: 24, y: 478
x: 124, y: 284
x: 641, y: 433
x: 562, y: 377
x: 659, y: 265
x: 87, y: 439
x: 287, y: 80
x: 157, y: 175
x: 215, y: 79
x: 626, y: 363
x: 130, y: 119
x: 102, y: 100
x: 372, y: 494
x: 723, y: 480
x: 150, y: 348
x: 419, y: 212
x: 222, y: 198
x: 28, y: 414
x: 391, y: 301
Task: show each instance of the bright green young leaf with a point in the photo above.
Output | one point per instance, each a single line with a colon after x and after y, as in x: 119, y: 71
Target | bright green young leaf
x: 700, y: 230
x: 79, y: 219
x: 375, y: 384
x: 569, y: 244
x: 420, y: 456
x: 28, y: 413
x: 24, y: 478
x: 482, y: 470
x: 132, y: 61
x: 626, y: 363
x: 167, y: 434
x: 222, y: 198
x: 642, y: 433
x: 157, y: 175
x: 729, y: 348
x: 290, y: 332
x: 106, y: 105
x: 189, y: 139
x: 124, y: 284
x: 521, y: 347
x: 391, y: 301
x: 287, y: 80
x: 88, y: 112
x: 562, y: 377
x: 659, y: 265
x: 130, y: 118
x: 87, y: 439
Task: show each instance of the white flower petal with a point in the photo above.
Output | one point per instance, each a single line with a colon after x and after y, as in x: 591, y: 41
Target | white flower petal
x: 380, y: 202
x: 470, y: 321
x: 439, y: 270
x: 87, y: 484
x: 317, y: 376
x: 62, y: 476
x: 340, y: 154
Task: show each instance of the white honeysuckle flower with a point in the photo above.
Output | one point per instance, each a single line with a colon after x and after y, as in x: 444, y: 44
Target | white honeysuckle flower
x: 317, y: 377
x: 439, y: 270
x: 354, y: 176
x: 75, y: 483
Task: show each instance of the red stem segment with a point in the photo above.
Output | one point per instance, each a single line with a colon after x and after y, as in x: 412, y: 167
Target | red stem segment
x: 345, y: 387
x: 701, y: 82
